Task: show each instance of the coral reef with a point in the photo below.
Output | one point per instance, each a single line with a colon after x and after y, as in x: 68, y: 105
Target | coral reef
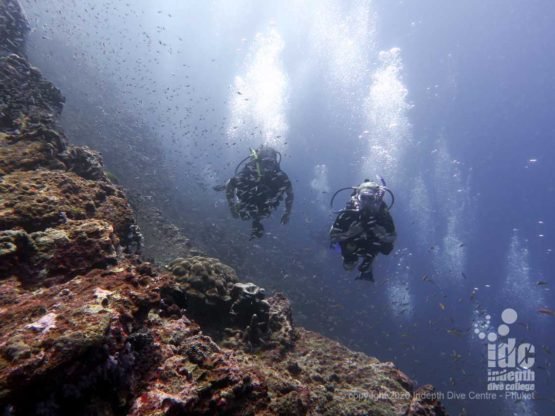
x: 89, y: 327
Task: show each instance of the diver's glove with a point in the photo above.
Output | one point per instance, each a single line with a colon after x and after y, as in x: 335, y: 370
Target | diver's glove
x: 285, y: 218
x: 355, y: 229
x: 383, y: 236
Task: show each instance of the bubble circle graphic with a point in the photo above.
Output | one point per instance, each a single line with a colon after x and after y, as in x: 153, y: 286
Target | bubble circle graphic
x: 481, y: 335
x: 488, y: 317
x: 476, y: 331
x: 503, y: 330
x: 492, y: 337
x: 509, y: 316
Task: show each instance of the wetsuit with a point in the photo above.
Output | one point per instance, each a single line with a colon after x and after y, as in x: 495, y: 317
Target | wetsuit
x: 363, y: 233
x: 252, y: 194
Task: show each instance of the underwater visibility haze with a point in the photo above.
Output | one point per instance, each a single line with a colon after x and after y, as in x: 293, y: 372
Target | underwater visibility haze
x: 450, y: 102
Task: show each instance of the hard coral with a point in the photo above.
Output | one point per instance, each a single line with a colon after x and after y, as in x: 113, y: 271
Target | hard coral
x: 212, y: 295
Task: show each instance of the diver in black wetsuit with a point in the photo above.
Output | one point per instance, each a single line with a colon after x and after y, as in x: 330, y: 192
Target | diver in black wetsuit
x: 364, y: 228
x: 258, y: 188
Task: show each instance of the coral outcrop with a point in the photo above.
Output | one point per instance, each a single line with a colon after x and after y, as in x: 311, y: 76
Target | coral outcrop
x: 89, y: 327
x: 13, y: 28
x: 238, y: 314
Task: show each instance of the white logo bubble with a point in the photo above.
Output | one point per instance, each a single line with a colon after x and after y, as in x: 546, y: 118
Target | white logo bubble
x: 503, y: 330
x: 509, y: 316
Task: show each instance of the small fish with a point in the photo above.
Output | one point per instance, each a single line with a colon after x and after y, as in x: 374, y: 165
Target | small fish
x: 547, y: 311
x: 442, y: 306
x: 427, y: 278
x: 542, y: 283
x: 463, y: 275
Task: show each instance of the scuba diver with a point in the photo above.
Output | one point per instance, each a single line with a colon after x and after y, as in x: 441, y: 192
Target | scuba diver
x: 257, y: 189
x: 364, y: 228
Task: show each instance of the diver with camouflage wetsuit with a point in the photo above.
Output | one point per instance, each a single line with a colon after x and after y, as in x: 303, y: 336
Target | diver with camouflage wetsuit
x: 257, y: 189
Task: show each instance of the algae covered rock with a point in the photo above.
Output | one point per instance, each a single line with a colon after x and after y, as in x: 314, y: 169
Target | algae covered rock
x: 60, y: 345
x: 85, y: 162
x: 57, y: 254
x: 13, y: 28
x: 197, y: 377
x: 280, y: 322
x: 36, y: 200
x: 30, y: 150
x: 320, y: 376
x: 25, y: 96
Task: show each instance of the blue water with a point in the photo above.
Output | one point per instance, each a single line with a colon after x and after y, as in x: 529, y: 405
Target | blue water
x: 451, y: 102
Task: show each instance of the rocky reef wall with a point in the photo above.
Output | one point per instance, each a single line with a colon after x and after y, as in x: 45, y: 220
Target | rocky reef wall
x: 88, y: 327
x: 13, y: 28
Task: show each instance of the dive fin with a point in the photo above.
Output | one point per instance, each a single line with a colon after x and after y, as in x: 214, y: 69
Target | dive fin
x: 367, y: 275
